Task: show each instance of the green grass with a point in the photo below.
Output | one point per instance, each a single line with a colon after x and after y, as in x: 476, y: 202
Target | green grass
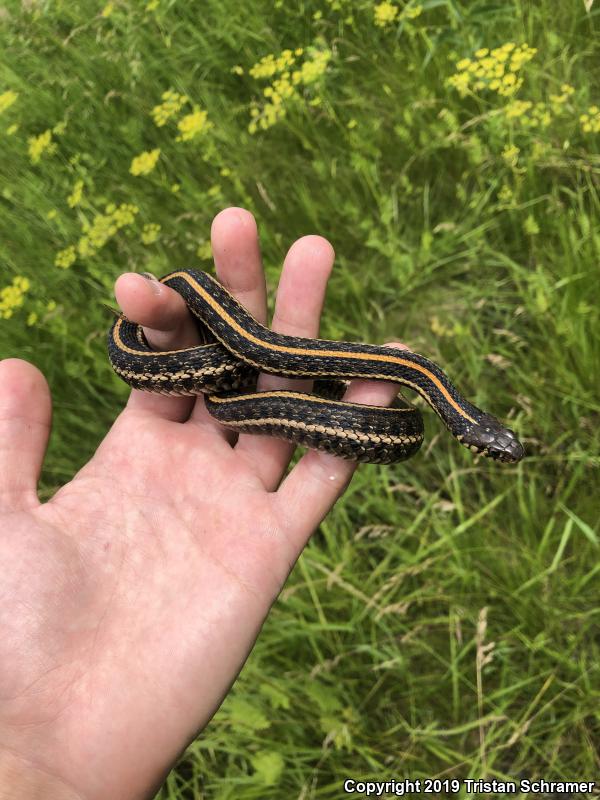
x: 378, y: 661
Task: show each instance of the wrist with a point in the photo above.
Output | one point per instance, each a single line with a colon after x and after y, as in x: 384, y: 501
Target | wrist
x: 20, y: 779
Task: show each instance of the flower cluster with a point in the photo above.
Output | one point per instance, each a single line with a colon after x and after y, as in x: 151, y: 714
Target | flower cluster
x: 510, y: 154
x: 75, y: 197
x: 192, y: 125
x: 97, y: 233
x: 539, y: 115
x: 12, y: 296
x: 269, y: 65
x: 385, y: 13
x: 7, y: 99
x: 145, y: 162
x: 590, y: 122
x: 529, y: 115
x: 558, y: 100
x: 171, y: 105
x: 38, y: 145
x: 312, y: 69
x: 287, y: 76
x: 496, y: 70
x: 64, y: 258
x: 150, y: 232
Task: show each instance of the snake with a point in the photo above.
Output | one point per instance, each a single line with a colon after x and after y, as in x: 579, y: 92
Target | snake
x: 234, y: 348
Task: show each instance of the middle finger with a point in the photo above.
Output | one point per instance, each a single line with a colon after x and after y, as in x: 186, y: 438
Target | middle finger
x: 298, y: 306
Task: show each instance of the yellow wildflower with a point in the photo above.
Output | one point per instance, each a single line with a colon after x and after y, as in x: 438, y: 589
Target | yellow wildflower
x: 510, y: 154
x: 64, y: 258
x: 385, y: 13
x: 237, y: 70
x: 38, y: 145
x: 590, y: 122
x: 12, y: 129
x: 317, y: 66
x: 529, y: 115
x: 107, y: 10
x: 84, y: 247
x: 151, y: 5
x: 145, y: 162
x: 494, y: 69
x: 460, y: 81
x: 12, y: 296
x: 171, y: 105
x: 75, y: 197
x: 150, y: 233
x: 521, y: 55
x: 285, y: 83
x: 412, y: 12
x: 7, y: 99
x: 32, y: 318
x: 124, y: 215
x: 52, y: 213
x: 193, y: 124
x: 175, y: 187
x: 265, y: 68
x: 104, y: 226
x: 517, y: 108
x: 506, y: 195
x: 285, y: 60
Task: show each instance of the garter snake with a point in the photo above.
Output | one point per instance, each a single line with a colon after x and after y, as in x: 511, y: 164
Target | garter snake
x: 235, y: 347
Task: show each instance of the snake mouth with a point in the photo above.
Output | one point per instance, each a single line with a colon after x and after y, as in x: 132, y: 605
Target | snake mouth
x: 490, y: 438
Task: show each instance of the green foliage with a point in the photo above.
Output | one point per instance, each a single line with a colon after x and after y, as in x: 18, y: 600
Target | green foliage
x: 443, y: 621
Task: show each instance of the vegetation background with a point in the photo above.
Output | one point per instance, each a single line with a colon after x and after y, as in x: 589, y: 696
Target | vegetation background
x: 444, y: 620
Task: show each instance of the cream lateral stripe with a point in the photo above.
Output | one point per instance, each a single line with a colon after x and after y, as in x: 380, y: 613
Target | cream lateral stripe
x: 318, y: 353
x: 304, y: 426
x: 311, y: 398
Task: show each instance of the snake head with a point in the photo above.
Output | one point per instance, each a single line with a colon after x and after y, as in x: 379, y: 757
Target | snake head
x: 492, y: 439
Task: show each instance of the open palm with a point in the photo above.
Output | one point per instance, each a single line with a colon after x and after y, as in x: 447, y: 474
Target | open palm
x: 129, y: 601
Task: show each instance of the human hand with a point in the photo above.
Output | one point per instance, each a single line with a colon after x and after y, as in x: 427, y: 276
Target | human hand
x: 130, y: 601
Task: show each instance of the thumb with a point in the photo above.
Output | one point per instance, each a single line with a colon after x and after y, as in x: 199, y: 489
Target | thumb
x: 25, y: 417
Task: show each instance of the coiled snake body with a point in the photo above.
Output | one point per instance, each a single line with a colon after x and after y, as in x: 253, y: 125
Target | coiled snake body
x: 236, y: 347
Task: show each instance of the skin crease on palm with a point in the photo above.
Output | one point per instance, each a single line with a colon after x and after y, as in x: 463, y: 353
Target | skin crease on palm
x: 130, y: 601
